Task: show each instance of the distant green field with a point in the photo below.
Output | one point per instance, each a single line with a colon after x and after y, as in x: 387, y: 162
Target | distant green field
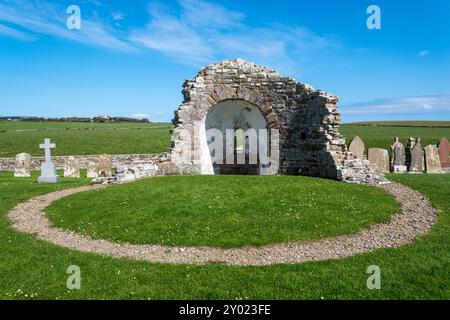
x: 53, y: 125
x: 383, y: 136
x: 124, y: 138
x: 74, y: 138
x: 404, y: 123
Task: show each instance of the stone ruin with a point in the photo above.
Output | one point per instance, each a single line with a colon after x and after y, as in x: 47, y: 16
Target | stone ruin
x: 239, y: 95
x: 236, y: 94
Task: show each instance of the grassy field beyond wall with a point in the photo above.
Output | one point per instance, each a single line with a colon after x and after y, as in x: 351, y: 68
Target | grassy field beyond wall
x: 382, y: 134
x: 74, y: 138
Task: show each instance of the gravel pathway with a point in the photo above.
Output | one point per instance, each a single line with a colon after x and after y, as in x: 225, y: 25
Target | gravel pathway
x: 417, y: 217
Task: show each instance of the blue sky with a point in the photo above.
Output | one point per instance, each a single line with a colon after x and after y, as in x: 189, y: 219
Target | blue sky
x: 130, y: 58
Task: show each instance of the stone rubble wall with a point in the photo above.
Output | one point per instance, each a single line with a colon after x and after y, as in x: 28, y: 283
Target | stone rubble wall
x: 358, y: 171
x: 7, y: 164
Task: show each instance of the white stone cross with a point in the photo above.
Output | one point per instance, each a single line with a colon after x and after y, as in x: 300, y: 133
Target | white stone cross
x: 47, y: 146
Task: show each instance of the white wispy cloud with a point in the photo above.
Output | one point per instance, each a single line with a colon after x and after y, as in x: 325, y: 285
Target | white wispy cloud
x: 424, y: 53
x: 202, y: 32
x: 172, y: 36
x: 11, y: 32
x: 405, y: 105
x: 201, y: 13
x: 37, y: 18
x: 280, y: 46
x: 142, y: 115
x: 194, y: 32
x: 117, y: 16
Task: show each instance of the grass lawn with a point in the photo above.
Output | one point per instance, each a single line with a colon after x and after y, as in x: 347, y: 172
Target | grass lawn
x: 225, y: 211
x: 34, y: 269
x: 84, y: 138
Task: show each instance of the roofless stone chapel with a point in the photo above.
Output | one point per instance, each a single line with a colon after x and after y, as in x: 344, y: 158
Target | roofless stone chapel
x: 239, y: 95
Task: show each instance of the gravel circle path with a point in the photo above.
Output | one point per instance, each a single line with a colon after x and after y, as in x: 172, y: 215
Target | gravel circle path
x: 417, y: 218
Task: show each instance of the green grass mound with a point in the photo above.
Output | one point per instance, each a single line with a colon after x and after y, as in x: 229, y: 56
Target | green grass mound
x: 224, y: 211
x: 35, y: 269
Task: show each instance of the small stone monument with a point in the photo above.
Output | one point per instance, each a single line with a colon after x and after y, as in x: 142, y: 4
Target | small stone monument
x: 380, y: 158
x: 417, y: 158
x: 72, y: 167
x: 444, y: 153
x: 92, y: 169
x: 48, y: 168
x: 22, y: 167
x: 409, y: 147
x: 432, y: 161
x: 104, y: 165
x: 398, y: 157
x: 357, y: 148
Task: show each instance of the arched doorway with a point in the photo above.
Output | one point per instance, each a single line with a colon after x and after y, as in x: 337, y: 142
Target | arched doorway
x: 230, y: 136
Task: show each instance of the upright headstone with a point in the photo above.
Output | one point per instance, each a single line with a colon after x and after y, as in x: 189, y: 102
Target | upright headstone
x: 432, y: 162
x: 357, y: 147
x: 22, y: 167
x: 92, y: 169
x: 417, y: 158
x: 409, y: 147
x: 48, y: 168
x: 398, y: 156
x: 105, y: 165
x: 380, y: 158
x: 72, y: 167
x: 444, y: 153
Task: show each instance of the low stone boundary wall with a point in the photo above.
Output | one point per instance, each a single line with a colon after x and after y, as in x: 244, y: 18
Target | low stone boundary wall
x: 7, y: 164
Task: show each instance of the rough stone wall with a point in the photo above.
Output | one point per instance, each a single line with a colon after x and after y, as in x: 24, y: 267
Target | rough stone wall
x: 160, y: 165
x: 308, y: 119
x: 7, y: 164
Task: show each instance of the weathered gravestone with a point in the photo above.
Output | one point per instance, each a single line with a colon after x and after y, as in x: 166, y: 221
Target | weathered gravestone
x: 22, y: 167
x: 409, y: 147
x: 444, y: 151
x: 105, y: 165
x: 380, y: 158
x: 432, y: 161
x: 92, y: 169
x: 398, y: 156
x: 72, y: 167
x: 357, y: 147
x: 417, y: 158
x: 48, y: 168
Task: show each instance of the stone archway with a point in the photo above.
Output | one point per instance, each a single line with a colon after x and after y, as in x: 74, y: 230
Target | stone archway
x: 307, y: 119
x: 243, y: 119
